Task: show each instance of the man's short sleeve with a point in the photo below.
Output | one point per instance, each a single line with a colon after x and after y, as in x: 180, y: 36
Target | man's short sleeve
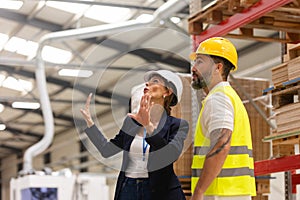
x: 218, y: 112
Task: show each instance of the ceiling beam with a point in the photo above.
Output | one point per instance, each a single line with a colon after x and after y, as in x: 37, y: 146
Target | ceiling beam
x: 130, y: 6
x: 52, y: 27
x: 14, y: 149
x: 110, y: 4
x: 66, y: 84
x: 16, y: 131
x: 180, y: 63
x: 59, y: 82
x: 8, y: 100
x: 147, y: 54
x: 22, y: 19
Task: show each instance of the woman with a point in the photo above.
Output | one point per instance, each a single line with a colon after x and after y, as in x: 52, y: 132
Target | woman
x: 151, y: 141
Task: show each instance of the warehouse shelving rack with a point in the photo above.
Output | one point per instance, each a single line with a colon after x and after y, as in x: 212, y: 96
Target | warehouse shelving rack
x: 221, y: 18
x: 247, y: 16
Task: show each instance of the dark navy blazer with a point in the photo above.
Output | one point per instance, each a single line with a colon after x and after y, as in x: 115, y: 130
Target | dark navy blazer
x: 166, y: 144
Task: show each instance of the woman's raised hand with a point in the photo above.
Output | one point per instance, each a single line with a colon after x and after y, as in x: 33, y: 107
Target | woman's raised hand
x: 143, y: 114
x: 86, y: 112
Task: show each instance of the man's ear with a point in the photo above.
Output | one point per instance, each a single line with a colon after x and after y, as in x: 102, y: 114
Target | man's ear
x: 219, y: 66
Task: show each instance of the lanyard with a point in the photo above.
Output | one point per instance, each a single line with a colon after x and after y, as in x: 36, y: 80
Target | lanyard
x: 145, y: 145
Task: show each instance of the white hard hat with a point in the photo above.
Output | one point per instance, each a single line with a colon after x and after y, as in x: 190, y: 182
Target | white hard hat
x: 172, y: 78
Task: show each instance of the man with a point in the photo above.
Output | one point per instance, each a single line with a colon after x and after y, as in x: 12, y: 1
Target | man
x: 223, y: 166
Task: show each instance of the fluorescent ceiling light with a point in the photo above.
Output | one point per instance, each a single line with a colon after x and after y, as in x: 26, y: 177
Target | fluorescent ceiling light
x: 1, y: 108
x: 25, y: 105
x: 72, y: 7
x: 14, y: 44
x: 2, y: 78
x: 21, y: 46
x: 3, y: 40
x: 108, y: 14
x: 144, y: 18
x: 105, y: 14
x: 175, y: 20
x: 11, y: 4
x: 2, y: 127
x: 29, y: 49
x: 19, y: 85
x: 56, y: 55
x: 75, y: 73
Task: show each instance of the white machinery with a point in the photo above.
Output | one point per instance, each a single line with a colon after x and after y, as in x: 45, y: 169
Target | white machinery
x: 58, y: 186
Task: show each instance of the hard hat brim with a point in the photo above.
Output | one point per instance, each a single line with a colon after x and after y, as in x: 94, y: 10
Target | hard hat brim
x: 193, y: 56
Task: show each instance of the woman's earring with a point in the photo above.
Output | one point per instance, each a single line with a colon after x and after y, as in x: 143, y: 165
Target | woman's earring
x: 164, y: 96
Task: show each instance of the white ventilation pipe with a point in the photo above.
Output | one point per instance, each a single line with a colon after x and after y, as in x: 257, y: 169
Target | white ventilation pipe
x: 162, y: 13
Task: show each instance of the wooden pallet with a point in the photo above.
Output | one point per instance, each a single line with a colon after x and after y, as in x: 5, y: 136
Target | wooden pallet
x: 280, y: 74
x: 282, y: 137
x: 284, y: 19
x: 293, y: 67
x: 262, y: 185
x: 287, y: 118
x: 260, y: 197
x: 284, y: 93
x: 292, y: 51
x: 289, y: 69
x: 283, y: 144
x: 283, y: 150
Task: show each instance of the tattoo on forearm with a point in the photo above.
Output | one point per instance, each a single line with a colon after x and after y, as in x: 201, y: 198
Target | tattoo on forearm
x: 220, y: 134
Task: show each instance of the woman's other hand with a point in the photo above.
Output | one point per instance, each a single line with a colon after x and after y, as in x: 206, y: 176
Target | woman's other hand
x: 86, y: 112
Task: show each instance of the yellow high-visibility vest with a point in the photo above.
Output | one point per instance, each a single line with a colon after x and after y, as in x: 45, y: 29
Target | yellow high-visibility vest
x: 237, y: 174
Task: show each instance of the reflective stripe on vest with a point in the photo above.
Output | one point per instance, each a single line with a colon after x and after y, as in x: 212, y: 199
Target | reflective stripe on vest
x: 237, y: 174
x: 228, y: 172
x: 233, y: 150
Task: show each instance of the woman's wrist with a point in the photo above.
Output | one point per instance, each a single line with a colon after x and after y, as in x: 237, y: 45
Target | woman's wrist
x: 89, y: 123
x: 149, y: 129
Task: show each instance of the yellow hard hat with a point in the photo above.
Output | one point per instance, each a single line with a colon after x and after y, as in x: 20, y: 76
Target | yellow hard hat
x: 218, y: 46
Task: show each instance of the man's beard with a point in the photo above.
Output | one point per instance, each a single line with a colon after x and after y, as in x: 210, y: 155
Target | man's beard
x: 203, y: 80
x: 199, y: 83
